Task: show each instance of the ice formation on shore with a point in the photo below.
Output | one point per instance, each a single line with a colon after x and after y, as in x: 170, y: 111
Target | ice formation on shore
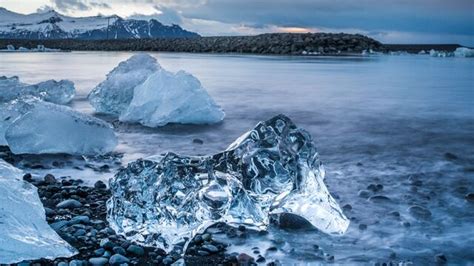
x: 113, y: 95
x: 39, y: 48
x: 139, y: 90
x: 24, y: 232
x: 464, y: 52
x: 274, y: 168
x: 166, y: 97
x: 60, y: 130
x: 60, y: 92
x: 459, y: 52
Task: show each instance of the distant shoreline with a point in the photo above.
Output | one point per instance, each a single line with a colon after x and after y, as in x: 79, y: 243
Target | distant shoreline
x: 265, y: 44
x: 275, y: 43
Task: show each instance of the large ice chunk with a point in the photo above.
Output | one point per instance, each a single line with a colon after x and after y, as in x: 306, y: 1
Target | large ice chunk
x: 139, y: 90
x: 167, y: 97
x: 272, y: 169
x: 464, y: 52
x: 60, y: 92
x: 9, y: 112
x: 113, y: 95
x: 24, y: 232
x: 38, y: 127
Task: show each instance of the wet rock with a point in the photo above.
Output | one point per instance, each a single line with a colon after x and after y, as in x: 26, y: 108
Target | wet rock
x: 58, y: 225
x: 107, y: 244
x: 419, y: 212
x: 118, y: 259
x: 210, y: 248
x: 379, y: 198
x: 119, y: 250
x: 99, y: 252
x: 347, y: 207
x: 363, y: 194
x: 470, y: 197
x: 450, y: 156
x: 245, y: 259
x: 84, y: 219
x: 136, y: 250
x: 167, y: 261
x: 49, y: 212
x: 49, y: 179
x: 198, y: 141
x: 260, y: 259
x: 98, y: 261
x: 203, y: 253
x: 69, y: 204
x: 394, y: 214
x: 100, y: 185
x: 441, y: 258
x: 28, y: 177
x: 77, y: 263
x: 291, y: 221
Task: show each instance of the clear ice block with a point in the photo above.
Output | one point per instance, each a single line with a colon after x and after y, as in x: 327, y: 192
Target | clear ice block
x: 272, y: 169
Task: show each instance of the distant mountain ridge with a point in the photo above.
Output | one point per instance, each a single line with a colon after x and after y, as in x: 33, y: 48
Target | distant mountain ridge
x: 53, y: 25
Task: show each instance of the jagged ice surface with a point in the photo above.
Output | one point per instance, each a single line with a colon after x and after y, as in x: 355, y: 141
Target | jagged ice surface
x: 24, y: 232
x: 274, y: 168
x: 167, y: 97
x: 139, y: 90
x: 113, y: 95
x: 36, y: 127
x: 60, y: 92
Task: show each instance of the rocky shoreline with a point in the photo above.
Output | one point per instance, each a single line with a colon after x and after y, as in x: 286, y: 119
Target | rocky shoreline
x: 272, y: 43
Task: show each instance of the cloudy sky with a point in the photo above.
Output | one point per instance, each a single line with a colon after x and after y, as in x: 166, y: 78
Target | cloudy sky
x: 390, y: 21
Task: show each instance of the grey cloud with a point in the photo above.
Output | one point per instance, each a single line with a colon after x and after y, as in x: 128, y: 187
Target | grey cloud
x: 68, y: 5
x: 453, y: 16
x: 100, y: 5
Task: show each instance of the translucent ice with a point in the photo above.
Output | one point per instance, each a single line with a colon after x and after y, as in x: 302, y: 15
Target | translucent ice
x: 272, y: 169
x: 24, y: 232
x: 113, y: 95
x: 36, y: 127
x: 167, y: 97
x: 139, y: 90
x: 60, y: 92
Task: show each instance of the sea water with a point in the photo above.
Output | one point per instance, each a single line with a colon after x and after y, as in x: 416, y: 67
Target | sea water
x: 403, y: 122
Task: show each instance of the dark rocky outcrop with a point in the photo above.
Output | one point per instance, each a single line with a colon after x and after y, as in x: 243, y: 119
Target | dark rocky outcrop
x: 272, y: 43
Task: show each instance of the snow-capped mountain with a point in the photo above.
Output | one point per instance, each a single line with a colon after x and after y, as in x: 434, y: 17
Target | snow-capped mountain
x: 52, y: 25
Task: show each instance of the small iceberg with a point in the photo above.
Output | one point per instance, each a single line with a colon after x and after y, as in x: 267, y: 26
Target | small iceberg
x: 166, y: 97
x: 459, y: 52
x: 271, y: 170
x: 139, y: 90
x: 60, y: 92
x: 464, y: 52
x: 113, y: 95
x: 434, y: 53
x: 39, y: 48
x: 24, y: 232
x: 31, y: 126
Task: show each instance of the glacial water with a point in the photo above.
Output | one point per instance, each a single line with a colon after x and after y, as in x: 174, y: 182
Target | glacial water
x: 403, y: 122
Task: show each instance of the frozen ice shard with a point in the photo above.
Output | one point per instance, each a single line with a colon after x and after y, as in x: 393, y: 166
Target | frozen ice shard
x: 24, y: 232
x: 272, y: 169
x: 139, y: 90
x: 114, y: 94
x: 60, y: 92
x: 60, y: 130
x: 167, y: 97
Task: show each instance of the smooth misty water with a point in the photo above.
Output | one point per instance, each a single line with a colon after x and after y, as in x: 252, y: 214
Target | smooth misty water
x: 386, y: 120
